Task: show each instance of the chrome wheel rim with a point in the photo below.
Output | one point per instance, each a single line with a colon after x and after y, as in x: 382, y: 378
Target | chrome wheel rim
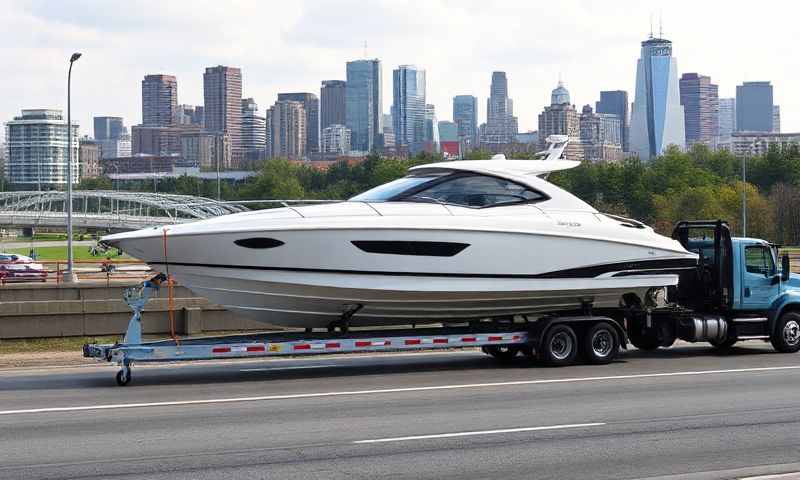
x: 602, y: 343
x: 561, y: 345
x: 791, y: 333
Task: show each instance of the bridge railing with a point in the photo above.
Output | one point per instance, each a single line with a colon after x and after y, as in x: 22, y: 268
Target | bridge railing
x: 86, y: 270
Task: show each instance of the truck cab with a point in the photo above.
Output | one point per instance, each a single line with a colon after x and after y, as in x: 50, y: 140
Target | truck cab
x: 741, y: 282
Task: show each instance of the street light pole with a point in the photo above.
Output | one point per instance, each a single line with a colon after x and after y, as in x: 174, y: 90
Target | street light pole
x: 744, y: 196
x: 69, y: 275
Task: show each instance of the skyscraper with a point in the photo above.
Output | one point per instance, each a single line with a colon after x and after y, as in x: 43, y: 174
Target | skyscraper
x: 159, y: 100
x: 600, y: 136
x: 615, y: 102
x: 333, y: 103
x: 364, y: 104
x: 465, y: 114
x: 254, y: 132
x: 501, y: 124
x: 727, y: 119
x: 754, y: 107
x: 335, y: 139
x: 700, y: 100
x: 286, y: 124
x: 408, y: 109
x: 776, y: 119
x: 431, y: 129
x: 657, y: 120
x: 222, y: 95
x: 561, y: 118
x: 311, y: 106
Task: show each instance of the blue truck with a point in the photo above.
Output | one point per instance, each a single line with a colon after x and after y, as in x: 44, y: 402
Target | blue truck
x: 740, y: 290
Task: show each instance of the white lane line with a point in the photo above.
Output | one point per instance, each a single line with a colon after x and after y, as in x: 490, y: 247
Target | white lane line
x: 211, y: 401
x: 275, y: 369
x: 479, y: 432
x: 780, y: 476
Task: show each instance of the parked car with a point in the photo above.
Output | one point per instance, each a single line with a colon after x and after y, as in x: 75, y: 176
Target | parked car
x: 19, y: 268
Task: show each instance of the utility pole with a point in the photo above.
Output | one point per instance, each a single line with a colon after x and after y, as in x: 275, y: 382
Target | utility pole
x: 744, y: 195
x: 69, y: 275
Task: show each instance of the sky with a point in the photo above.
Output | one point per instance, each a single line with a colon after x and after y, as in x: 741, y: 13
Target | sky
x: 285, y: 46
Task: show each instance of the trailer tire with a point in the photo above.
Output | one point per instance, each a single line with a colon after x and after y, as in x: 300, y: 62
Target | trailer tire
x: 123, y: 377
x: 502, y: 353
x: 559, y: 346
x: 600, y: 344
x: 786, y: 337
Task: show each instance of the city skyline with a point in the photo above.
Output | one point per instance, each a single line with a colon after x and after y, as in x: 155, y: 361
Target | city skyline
x: 105, y: 81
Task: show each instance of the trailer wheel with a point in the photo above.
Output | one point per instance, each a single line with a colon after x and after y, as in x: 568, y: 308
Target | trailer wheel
x: 559, y: 346
x: 123, y: 377
x: 786, y: 337
x: 600, y: 344
x: 503, y: 353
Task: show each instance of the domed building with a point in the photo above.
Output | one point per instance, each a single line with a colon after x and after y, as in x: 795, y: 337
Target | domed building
x: 560, y: 95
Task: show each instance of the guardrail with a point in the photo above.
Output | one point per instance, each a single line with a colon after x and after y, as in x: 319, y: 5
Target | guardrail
x: 89, y: 270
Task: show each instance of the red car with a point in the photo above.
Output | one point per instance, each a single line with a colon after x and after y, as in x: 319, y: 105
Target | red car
x: 19, y: 268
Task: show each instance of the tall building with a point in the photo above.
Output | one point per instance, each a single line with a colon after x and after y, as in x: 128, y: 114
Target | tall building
x: 37, y: 149
x: 311, y: 105
x: 222, y: 94
x: 286, y: 127
x: 155, y: 140
x: 448, y: 131
x: 727, y: 120
x: 465, y: 114
x: 600, y: 136
x: 364, y: 103
x: 561, y: 118
x: 89, y: 157
x: 501, y: 124
x: 750, y: 144
x: 254, y: 132
x: 754, y: 107
x: 109, y: 128
x: 333, y: 103
x: 776, y: 119
x: 615, y: 102
x: 408, y: 111
x: 159, y: 100
x: 189, y: 115
x: 657, y: 120
x: 431, y: 129
x: 700, y: 101
x: 335, y: 139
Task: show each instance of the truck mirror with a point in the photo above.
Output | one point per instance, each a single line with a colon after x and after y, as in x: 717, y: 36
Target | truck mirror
x: 786, y: 268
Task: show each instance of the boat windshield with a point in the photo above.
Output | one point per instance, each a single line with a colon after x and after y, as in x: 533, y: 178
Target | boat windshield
x: 391, y: 190
x: 457, y: 188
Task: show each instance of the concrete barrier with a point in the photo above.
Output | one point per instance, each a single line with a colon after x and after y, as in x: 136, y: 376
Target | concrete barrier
x: 94, y: 309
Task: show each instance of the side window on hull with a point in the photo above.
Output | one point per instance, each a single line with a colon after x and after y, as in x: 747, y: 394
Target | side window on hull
x: 476, y: 191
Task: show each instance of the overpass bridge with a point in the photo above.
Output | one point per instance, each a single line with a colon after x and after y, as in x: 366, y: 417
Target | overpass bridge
x: 106, y: 210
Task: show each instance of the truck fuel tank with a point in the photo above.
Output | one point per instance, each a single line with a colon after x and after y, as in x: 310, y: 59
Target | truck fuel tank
x: 703, y: 328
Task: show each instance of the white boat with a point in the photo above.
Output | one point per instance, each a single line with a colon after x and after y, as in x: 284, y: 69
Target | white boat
x: 449, y: 242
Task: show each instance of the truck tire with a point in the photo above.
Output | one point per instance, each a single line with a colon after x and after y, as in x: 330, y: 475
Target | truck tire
x: 600, y: 344
x: 786, y: 337
x: 559, y: 346
x: 644, y: 342
x: 725, y: 344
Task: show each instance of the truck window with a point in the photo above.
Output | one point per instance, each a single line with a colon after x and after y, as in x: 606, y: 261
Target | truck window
x: 758, y: 259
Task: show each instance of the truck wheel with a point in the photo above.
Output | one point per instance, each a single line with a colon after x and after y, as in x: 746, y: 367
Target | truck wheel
x: 503, y: 353
x: 786, y: 337
x: 559, y: 346
x: 725, y: 344
x: 644, y: 342
x: 600, y: 344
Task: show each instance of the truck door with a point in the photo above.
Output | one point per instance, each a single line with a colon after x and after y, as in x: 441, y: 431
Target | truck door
x: 758, y: 288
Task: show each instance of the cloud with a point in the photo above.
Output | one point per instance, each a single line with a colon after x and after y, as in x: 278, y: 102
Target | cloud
x: 292, y: 46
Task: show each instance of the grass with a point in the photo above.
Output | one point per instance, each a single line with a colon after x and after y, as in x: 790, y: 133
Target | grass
x: 39, y: 345
x: 52, y: 254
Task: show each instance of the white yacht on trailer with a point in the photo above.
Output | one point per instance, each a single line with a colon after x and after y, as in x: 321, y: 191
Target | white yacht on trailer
x: 451, y: 241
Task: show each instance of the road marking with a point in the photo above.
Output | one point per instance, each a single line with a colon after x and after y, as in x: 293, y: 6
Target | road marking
x: 782, y: 476
x: 213, y: 401
x: 479, y: 432
x: 274, y: 369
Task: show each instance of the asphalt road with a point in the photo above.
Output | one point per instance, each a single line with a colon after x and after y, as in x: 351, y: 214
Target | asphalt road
x: 687, y: 412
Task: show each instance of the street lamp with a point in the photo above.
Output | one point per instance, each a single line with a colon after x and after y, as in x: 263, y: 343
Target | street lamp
x: 69, y: 275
